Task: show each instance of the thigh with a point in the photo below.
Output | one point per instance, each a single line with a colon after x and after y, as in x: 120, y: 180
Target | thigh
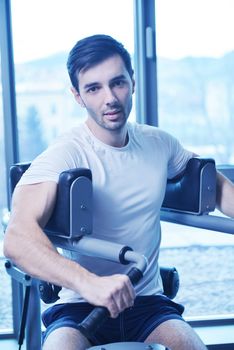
x: 66, y: 338
x: 147, y: 314
x: 61, y: 322
x: 176, y: 335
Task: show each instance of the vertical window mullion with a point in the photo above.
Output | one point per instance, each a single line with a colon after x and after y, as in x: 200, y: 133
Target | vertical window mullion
x: 8, y: 87
x: 145, y: 62
x: 10, y: 123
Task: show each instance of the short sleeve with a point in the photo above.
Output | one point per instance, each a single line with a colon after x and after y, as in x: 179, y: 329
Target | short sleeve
x: 49, y: 164
x: 178, y: 156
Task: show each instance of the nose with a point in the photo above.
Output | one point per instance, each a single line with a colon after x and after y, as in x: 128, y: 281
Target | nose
x: 110, y: 96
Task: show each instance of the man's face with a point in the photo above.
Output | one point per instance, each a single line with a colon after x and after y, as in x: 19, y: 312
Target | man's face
x: 105, y: 90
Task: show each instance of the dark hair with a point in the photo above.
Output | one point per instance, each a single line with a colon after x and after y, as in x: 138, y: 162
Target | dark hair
x: 93, y: 50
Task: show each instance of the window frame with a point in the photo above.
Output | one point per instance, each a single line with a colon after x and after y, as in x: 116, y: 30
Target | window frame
x: 198, y: 321
x: 145, y: 62
x: 10, y: 131
x: 146, y: 105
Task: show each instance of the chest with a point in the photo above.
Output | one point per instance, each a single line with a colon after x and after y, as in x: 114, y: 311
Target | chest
x: 129, y: 180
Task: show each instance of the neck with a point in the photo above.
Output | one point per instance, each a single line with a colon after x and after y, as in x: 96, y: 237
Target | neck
x: 114, y: 138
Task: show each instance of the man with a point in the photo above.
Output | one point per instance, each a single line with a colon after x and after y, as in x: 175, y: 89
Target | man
x: 130, y: 164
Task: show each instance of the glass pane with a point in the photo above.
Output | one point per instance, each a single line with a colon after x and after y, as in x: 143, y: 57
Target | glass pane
x: 196, y: 74
x: 45, y: 105
x: 204, y: 260
x: 5, y: 284
x: 196, y: 104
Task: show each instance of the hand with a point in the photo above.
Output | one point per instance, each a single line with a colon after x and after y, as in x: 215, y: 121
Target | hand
x: 115, y: 292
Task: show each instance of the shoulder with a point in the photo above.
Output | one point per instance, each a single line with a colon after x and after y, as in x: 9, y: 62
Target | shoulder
x: 63, y: 154
x: 68, y: 144
x: 74, y: 134
x: 148, y: 131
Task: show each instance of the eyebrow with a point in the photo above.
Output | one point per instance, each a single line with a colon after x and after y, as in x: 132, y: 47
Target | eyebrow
x: 90, y: 85
x: 119, y: 77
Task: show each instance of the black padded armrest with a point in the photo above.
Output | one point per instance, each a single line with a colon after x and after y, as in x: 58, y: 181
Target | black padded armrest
x: 70, y: 218
x: 72, y: 215
x: 170, y: 280
x: 16, y: 171
x: 195, y: 191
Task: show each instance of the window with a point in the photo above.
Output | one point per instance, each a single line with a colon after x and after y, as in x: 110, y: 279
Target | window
x: 45, y: 105
x: 43, y: 34
x: 5, y: 286
x: 195, y: 74
x: 195, y: 101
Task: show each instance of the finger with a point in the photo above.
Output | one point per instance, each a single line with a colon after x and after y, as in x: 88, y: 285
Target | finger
x: 120, y: 301
x: 129, y: 290
x: 124, y: 300
x: 127, y: 300
x: 114, y: 308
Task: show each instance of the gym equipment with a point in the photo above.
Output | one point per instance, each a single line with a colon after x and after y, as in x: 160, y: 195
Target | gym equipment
x: 70, y: 227
x: 128, y: 346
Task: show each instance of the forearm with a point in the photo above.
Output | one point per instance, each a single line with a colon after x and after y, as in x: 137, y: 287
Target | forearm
x: 36, y: 255
x: 30, y: 249
x: 225, y: 195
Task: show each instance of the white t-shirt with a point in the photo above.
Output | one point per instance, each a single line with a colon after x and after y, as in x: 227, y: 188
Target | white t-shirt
x: 128, y: 190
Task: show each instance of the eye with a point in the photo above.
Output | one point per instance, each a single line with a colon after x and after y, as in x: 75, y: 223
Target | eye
x: 119, y: 83
x: 92, y: 89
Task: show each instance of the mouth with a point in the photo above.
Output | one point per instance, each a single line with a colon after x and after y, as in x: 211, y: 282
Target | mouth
x: 112, y: 114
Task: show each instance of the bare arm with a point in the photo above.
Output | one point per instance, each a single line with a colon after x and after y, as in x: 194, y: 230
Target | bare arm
x: 225, y: 195
x: 29, y: 248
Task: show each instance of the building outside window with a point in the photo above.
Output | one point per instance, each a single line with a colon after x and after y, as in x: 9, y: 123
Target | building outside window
x: 195, y: 54
x: 45, y: 105
x: 195, y: 103
x: 6, y: 324
x: 43, y: 34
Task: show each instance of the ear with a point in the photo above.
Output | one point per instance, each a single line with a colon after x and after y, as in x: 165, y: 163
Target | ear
x: 77, y: 96
x: 133, y: 85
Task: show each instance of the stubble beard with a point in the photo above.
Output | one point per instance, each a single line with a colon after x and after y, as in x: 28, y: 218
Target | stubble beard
x: 112, y: 125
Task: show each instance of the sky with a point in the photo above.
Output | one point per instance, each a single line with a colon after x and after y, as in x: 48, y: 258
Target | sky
x: 184, y: 27
x: 194, y: 27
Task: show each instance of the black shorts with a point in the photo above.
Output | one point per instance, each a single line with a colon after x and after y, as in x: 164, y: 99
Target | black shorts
x: 133, y: 324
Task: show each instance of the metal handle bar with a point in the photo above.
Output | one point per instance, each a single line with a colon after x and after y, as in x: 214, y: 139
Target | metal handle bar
x: 100, y: 314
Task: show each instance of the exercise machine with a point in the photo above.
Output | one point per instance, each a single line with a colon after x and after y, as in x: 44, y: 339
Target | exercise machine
x: 70, y: 227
